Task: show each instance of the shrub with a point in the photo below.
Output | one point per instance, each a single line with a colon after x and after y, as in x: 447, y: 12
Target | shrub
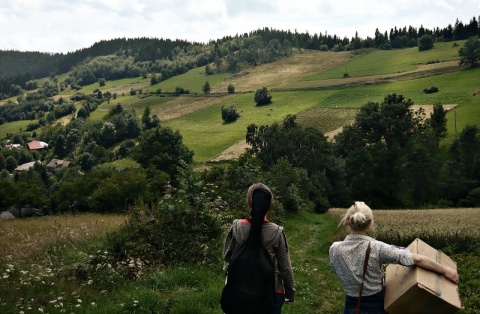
x: 425, y: 42
x: 262, y: 97
x: 430, y: 90
x: 183, y: 228
x: 230, y: 113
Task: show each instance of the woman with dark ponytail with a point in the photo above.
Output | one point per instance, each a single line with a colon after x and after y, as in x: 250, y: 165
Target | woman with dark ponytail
x: 247, y: 239
x: 358, y: 260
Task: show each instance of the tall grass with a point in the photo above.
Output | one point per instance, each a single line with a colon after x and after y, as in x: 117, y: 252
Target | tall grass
x: 456, y: 228
x: 26, y: 237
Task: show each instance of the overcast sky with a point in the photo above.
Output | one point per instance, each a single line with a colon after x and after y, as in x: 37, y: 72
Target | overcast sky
x: 67, y: 25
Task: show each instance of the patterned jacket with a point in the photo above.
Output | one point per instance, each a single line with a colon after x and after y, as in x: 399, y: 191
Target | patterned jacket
x: 275, y: 243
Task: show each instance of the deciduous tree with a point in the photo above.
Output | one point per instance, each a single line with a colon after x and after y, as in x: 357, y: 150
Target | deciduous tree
x: 262, y: 97
x: 470, y: 52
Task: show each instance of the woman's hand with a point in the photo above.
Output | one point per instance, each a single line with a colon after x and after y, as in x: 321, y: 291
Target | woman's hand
x: 427, y: 263
x: 451, y: 274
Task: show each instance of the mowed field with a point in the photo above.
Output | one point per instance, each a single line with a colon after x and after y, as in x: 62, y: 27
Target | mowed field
x: 309, y: 84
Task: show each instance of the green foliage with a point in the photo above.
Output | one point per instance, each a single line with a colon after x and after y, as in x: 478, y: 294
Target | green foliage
x: 381, y: 149
x: 183, y: 228
x: 206, y: 88
x: 430, y: 90
x: 262, y: 97
x: 470, y: 52
x: 425, y: 42
x: 10, y: 163
x: 230, y: 113
x: 231, y: 88
x: 303, y: 148
x: 163, y: 149
x: 463, y: 168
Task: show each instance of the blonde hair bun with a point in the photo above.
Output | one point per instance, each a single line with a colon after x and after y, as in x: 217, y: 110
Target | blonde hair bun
x: 358, y: 216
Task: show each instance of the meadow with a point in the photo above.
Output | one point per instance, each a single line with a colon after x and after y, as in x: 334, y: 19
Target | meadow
x: 305, y: 84
x: 69, y: 269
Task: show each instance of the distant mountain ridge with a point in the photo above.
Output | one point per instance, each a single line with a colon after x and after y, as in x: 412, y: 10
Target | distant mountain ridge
x: 229, y: 54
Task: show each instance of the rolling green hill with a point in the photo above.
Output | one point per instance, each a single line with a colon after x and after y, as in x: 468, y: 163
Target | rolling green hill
x: 306, y: 83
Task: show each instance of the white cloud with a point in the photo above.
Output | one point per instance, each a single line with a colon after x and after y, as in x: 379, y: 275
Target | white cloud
x: 63, y: 25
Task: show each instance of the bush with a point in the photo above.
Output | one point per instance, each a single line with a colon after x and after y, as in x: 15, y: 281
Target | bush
x: 425, y: 42
x: 230, y: 113
x: 181, y: 229
x: 262, y: 97
x: 430, y: 90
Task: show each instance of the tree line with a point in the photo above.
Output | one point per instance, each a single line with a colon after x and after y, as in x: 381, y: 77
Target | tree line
x: 390, y: 157
x: 174, y: 57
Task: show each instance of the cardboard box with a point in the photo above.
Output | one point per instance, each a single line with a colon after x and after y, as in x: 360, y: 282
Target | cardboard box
x: 416, y: 290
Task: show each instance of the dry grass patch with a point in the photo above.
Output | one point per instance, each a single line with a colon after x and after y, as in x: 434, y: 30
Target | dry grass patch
x: 233, y: 152
x: 286, y: 72
x: 22, y: 238
x: 184, y: 105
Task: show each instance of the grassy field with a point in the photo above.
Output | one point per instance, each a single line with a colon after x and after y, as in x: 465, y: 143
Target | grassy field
x: 14, y: 127
x: 305, y: 84
x: 379, y: 62
x: 60, y: 264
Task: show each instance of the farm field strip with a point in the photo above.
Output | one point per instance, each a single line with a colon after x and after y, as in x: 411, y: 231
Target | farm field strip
x: 453, y: 223
x: 22, y: 238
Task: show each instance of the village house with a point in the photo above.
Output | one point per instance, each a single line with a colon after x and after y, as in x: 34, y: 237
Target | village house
x: 13, y: 146
x: 26, y: 166
x: 37, y: 145
x: 58, y: 163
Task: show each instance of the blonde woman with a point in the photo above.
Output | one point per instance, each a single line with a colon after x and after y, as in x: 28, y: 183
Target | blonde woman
x: 347, y: 259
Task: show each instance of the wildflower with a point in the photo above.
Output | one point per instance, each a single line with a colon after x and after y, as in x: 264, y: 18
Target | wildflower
x: 40, y: 309
x: 79, y: 300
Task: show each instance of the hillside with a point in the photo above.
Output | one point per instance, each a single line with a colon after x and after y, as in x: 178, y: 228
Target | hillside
x: 300, y: 84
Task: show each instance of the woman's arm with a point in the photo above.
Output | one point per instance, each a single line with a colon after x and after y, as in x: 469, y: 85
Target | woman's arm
x: 285, y: 269
x: 425, y: 262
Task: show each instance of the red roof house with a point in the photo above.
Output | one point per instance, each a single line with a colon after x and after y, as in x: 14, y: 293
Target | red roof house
x: 36, y: 145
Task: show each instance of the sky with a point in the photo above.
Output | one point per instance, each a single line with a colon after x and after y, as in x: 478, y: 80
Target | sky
x: 62, y: 26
